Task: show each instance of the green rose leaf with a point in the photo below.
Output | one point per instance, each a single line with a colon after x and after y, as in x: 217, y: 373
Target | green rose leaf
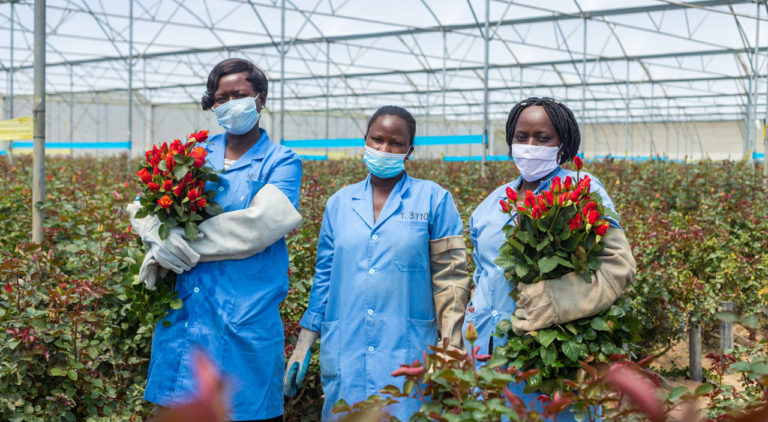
x: 546, y: 337
x: 599, y: 324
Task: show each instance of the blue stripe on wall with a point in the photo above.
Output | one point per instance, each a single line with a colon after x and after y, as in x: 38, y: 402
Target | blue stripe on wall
x: 76, y: 145
x: 359, y: 142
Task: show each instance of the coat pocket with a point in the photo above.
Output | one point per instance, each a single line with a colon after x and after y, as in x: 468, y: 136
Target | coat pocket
x: 422, y: 333
x: 330, y: 338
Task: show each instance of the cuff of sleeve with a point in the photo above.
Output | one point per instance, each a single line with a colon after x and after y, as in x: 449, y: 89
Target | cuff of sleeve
x: 438, y: 246
x: 311, y: 321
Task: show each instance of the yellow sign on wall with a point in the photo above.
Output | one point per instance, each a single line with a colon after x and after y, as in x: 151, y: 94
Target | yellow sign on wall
x: 16, y: 129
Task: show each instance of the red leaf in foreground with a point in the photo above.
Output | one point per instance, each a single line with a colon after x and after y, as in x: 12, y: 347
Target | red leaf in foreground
x: 638, y: 389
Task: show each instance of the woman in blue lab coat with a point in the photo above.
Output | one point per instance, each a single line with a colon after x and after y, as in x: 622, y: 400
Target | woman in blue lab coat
x: 390, y: 274
x: 542, y: 134
x: 231, y: 303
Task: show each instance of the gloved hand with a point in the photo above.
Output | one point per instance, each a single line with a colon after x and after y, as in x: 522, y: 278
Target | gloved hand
x: 571, y: 297
x: 174, y: 252
x: 151, y: 271
x: 297, y: 365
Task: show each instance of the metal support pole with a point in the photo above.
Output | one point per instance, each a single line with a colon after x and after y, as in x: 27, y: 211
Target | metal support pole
x: 130, y: 83
x: 327, y: 92
x: 38, y: 113
x: 10, y: 88
x: 651, y: 146
x: 487, y: 37
x: 666, y: 148
x: 282, y: 71
x: 71, y: 105
x: 765, y: 137
x: 752, y: 140
x: 626, y: 124
x: 445, y: 54
x: 584, y: 86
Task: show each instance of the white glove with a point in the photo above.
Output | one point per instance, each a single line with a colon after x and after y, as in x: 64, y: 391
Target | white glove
x: 173, y: 253
x: 150, y: 271
x: 297, y: 365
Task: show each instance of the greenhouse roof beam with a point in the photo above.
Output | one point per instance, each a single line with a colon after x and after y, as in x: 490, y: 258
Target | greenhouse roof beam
x: 430, y: 29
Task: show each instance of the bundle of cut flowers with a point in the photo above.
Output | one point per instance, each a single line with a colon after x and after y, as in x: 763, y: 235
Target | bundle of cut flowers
x: 554, y: 233
x: 173, y: 179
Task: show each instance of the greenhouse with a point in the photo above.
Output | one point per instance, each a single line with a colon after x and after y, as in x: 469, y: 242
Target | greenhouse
x: 658, y: 111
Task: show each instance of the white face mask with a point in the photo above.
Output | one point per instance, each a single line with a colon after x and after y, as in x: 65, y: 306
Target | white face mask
x: 533, y: 161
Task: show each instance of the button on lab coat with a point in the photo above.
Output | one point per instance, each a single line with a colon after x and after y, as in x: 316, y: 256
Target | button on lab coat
x: 371, y: 298
x: 231, y: 307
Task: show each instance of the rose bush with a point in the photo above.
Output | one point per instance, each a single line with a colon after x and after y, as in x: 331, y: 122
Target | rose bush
x: 703, y: 239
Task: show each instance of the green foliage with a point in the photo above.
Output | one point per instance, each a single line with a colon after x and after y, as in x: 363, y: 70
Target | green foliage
x: 556, y: 352
x: 702, y: 240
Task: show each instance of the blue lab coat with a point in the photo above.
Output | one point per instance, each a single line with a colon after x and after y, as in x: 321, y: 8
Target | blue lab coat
x: 371, y: 298
x: 231, y: 307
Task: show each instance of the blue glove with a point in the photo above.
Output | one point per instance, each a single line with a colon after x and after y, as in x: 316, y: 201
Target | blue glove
x: 299, y: 362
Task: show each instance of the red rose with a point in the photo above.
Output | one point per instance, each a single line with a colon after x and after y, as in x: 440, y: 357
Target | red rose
x: 168, y: 185
x: 201, y: 203
x: 549, y: 197
x: 575, y: 222
x: 575, y: 195
x: 155, y: 171
x: 567, y: 183
x: 511, y: 194
x: 536, y: 212
x: 144, y: 176
x: 199, y: 154
x: 193, y: 195
x: 530, y: 199
x: 562, y: 198
x: 176, y: 146
x: 578, y: 163
x: 178, y: 190
x: 556, y: 185
x: 200, y: 136
x: 602, y: 228
x: 154, y: 187
x: 592, y: 217
x: 589, y: 207
x: 165, y: 202
x: 8, y: 288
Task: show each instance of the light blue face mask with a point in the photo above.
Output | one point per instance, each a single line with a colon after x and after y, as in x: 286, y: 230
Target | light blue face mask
x: 384, y: 164
x: 238, y: 116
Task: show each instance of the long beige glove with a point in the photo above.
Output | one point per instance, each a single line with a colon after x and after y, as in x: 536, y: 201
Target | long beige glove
x: 240, y: 234
x: 550, y: 302
x: 450, y: 286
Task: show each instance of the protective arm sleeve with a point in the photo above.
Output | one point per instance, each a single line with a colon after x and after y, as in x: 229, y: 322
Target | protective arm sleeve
x: 450, y: 286
x: 551, y: 302
x: 243, y: 233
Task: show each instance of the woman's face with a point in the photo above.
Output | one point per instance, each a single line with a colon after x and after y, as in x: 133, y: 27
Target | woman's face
x: 389, y: 134
x: 534, y: 127
x: 233, y: 87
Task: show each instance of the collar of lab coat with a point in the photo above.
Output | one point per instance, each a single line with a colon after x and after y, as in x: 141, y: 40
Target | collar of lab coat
x: 217, y: 146
x: 362, y: 201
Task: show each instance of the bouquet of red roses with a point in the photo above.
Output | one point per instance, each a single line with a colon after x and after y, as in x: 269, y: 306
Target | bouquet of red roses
x: 173, y: 178
x: 558, y: 232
